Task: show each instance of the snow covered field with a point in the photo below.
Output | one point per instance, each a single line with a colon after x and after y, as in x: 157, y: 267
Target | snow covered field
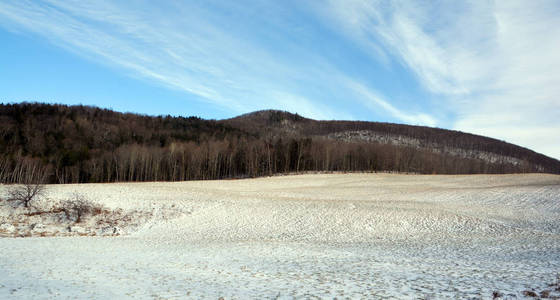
x: 306, y: 236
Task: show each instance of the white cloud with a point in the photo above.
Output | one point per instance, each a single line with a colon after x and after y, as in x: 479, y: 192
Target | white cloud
x: 184, y: 48
x: 495, y: 64
x: 192, y: 48
x: 305, y: 107
x: 374, y: 101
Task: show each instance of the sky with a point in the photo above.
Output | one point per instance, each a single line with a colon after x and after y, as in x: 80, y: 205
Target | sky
x: 485, y: 67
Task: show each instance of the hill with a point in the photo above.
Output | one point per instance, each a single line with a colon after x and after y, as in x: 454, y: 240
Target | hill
x: 436, y: 140
x: 71, y: 144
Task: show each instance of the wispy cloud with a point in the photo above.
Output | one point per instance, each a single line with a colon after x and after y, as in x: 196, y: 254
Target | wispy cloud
x: 495, y: 64
x: 306, y: 107
x: 119, y: 40
x: 375, y: 101
x: 183, y: 48
x: 241, y: 56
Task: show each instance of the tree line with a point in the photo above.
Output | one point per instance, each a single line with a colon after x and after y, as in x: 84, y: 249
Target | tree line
x: 78, y: 144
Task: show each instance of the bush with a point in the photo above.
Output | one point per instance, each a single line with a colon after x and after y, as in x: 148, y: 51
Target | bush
x: 80, y: 207
x: 530, y: 294
x: 497, y: 295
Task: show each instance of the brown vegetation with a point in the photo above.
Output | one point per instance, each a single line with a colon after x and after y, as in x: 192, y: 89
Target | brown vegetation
x: 79, y: 207
x: 71, y: 144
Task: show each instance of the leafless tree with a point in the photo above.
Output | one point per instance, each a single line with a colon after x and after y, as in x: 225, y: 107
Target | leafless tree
x: 31, y: 189
x: 26, y: 193
x: 87, y: 144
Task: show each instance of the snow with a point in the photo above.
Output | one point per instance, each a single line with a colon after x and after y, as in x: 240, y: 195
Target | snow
x: 305, y: 236
x: 403, y: 140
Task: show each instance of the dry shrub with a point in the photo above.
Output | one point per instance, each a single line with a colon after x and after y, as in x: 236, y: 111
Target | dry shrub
x: 79, y: 207
x: 545, y: 294
x: 530, y: 294
x: 497, y: 295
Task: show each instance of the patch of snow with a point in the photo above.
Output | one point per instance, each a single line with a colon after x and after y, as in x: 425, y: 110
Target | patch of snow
x: 309, y: 236
x: 401, y: 140
x: 7, y: 228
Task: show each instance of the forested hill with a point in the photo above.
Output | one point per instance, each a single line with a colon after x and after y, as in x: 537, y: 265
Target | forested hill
x: 70, y: 144
x: 436, y: 140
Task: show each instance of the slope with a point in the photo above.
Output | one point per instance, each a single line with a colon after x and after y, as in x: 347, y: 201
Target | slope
x: 77, y: 144
x: 449, y: 142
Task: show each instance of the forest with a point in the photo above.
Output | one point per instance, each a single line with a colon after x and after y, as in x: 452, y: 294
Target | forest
x: 52, y: 143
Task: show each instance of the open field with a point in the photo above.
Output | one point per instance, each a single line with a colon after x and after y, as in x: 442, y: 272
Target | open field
x: 306, y: 236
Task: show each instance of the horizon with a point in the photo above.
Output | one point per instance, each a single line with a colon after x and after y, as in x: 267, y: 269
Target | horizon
x: 483, y: 68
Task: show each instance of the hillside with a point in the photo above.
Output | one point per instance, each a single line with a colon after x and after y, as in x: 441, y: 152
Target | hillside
x: 71, y: 144
x: 436, y: 140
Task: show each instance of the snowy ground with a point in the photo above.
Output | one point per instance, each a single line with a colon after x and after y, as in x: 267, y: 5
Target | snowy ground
x: 307, y: 236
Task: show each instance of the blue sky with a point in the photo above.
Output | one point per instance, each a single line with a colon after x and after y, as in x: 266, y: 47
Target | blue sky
x: 484, y: 67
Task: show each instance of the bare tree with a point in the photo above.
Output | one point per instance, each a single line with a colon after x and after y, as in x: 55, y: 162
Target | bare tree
x: 26, y: 193
x: 31, y: 189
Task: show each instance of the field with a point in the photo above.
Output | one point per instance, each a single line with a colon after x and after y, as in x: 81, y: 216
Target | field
x: 304, y: 236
